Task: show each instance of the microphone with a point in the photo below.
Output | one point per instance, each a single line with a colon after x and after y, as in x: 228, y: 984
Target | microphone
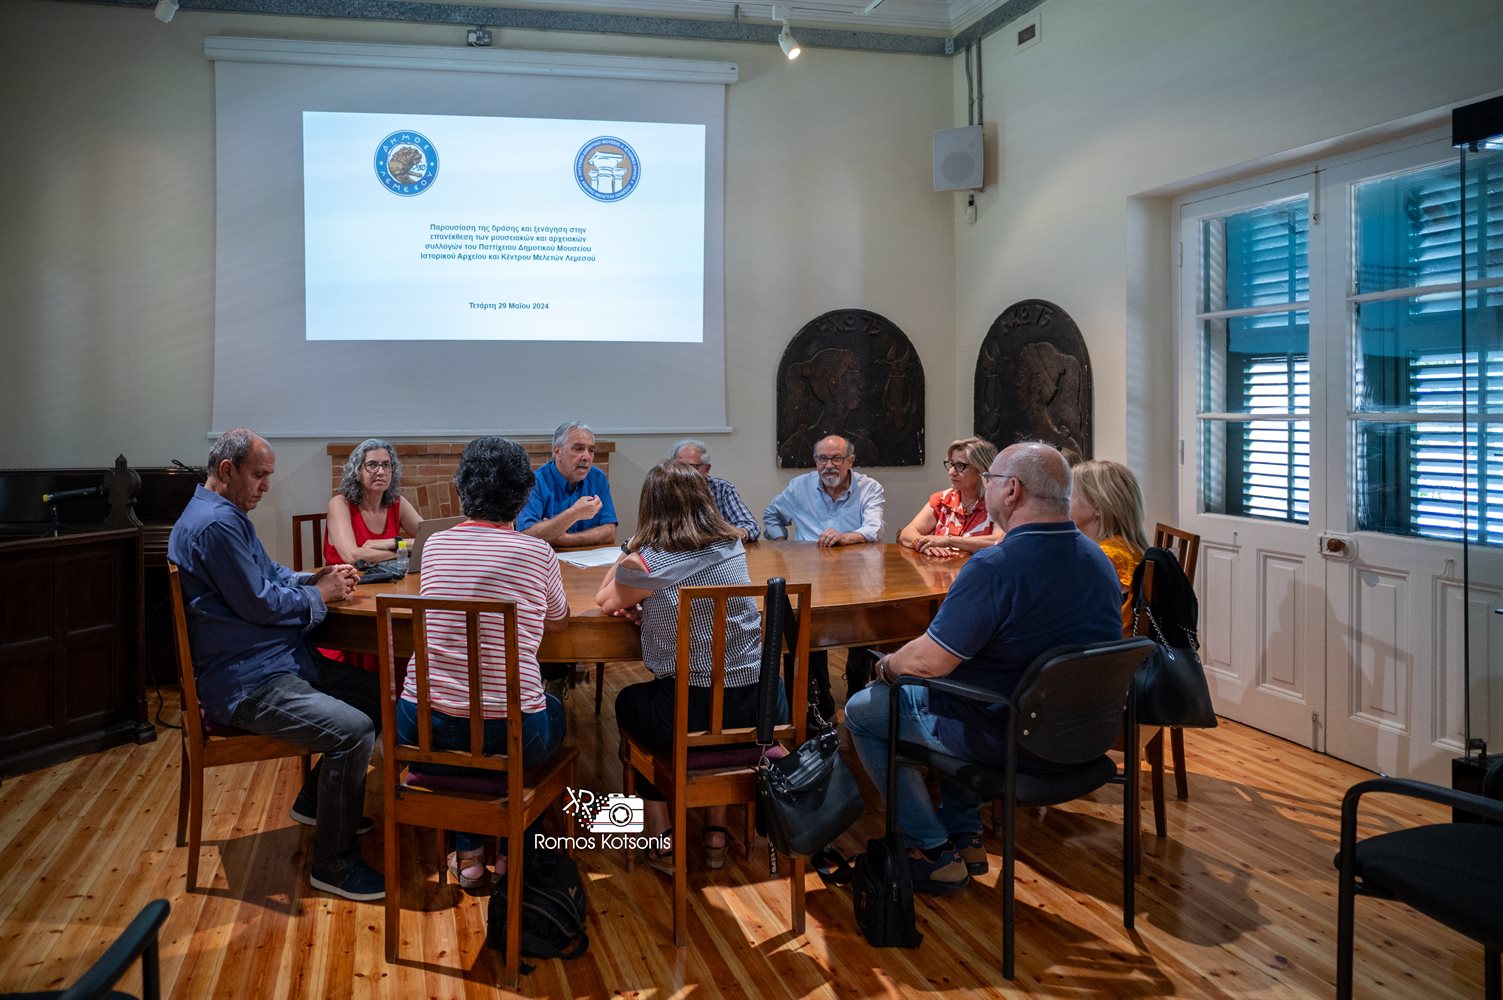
x: 87, y: 491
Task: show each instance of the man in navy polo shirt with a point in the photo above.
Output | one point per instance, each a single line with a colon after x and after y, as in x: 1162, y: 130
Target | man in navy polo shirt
x: 570, y: 506
x: 1044, y: 585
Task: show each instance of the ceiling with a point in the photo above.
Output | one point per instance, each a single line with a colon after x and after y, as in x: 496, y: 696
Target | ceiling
x: 923, y: 27
x: 940, y: 17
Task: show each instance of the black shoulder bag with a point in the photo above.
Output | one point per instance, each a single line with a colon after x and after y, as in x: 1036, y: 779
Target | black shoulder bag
x: 1171, y: 684
x: 809, y: 797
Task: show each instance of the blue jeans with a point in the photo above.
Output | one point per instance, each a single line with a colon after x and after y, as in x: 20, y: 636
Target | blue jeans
x: 542, y: 732
x: 338, y: 718
x: 923, y: 825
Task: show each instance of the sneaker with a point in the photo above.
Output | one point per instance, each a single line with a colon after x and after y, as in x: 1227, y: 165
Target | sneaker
x: 360, y: 882
x: 972, y: 852
x: 300, y: 813
x: 937, y: 871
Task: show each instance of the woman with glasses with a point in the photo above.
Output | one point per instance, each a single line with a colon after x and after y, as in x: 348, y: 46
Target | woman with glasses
x: 367, y: 519
x: 955, y: 520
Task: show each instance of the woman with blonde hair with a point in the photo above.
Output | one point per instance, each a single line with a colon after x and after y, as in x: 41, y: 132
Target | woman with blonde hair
x: 955, y: 520
x: 1107, y: 505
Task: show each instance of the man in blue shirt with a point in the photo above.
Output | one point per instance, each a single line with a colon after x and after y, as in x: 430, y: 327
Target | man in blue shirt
x: 570, y: 506
x: 1044, y: 585
x: 833, y: 505
x: 728, y: 500
x: 248, y: 620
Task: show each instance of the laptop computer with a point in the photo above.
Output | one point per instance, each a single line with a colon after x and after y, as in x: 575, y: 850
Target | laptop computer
x: 426, y: 530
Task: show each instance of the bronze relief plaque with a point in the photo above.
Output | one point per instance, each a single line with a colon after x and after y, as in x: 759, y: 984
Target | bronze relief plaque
x: 1033, y: 380
x: 854, y: 373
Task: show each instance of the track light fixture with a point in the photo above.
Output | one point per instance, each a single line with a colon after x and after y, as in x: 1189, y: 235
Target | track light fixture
x: 165, y: 10
x: 786, y: 41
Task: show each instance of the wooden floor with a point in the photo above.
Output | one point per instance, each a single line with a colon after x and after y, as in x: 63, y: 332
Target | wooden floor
x: 1239, y: 901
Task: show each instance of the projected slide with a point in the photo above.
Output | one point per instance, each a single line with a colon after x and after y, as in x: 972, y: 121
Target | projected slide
x: 429, y: 227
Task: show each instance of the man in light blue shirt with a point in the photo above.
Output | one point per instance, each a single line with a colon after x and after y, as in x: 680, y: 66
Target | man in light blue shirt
x: 833, y: 505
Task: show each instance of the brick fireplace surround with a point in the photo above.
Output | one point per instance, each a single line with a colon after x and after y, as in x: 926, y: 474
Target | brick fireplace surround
x: 428, y: 469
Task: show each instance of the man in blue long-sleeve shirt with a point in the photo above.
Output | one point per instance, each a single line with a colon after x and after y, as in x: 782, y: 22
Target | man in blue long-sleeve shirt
x: 248, y: 619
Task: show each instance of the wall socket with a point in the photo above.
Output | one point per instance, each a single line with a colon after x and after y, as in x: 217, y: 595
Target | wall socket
x: 478, y: 37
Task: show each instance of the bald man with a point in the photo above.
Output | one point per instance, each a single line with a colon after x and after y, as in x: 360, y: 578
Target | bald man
x: 1044, y: 585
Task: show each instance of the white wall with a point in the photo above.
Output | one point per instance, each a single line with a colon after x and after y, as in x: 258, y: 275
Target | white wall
x: 106, y: 271
x: 1124, y: 101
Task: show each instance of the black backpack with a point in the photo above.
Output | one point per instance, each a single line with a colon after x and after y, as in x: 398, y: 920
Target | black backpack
x: 882, y: 891
x: 553, y: 908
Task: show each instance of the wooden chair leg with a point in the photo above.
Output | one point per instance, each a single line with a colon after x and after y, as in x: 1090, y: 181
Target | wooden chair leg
x: 195, y: 822
x: 796, y: 873
x: 629, y: 787
x: 513, y: 969
x: 599, y: 686
x: 182, y: 799
x: 751, y: 828
x: 393, y: 904
x: 680, y: 872
x: 1181, y: 776
x: 1155, y: 751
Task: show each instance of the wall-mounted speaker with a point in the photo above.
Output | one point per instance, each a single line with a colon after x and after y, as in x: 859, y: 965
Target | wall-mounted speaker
x: 957, y: 159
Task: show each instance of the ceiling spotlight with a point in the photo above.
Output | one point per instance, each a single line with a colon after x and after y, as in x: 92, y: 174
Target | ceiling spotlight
x: 165, y: 10
x: 788, y: 43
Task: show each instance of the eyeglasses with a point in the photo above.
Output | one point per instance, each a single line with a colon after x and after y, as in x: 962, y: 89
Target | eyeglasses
x: 377, y: 466
x: 957, y: 467
x: 830, y: 459
x: 701, y: 466
x: 989, y: 476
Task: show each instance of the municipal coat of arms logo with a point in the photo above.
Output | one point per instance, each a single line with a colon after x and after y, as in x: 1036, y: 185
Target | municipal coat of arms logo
x: 607, y: 169
x: 406, y: 163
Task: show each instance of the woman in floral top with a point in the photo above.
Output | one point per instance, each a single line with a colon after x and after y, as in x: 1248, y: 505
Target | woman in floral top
x: 955, y: 520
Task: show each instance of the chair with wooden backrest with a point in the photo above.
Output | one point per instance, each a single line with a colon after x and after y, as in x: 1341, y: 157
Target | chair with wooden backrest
x: 502, y: 801
x: 698, y: 771
x: 317, y: 560
x: 1186, y: 547
x: 207, y: 744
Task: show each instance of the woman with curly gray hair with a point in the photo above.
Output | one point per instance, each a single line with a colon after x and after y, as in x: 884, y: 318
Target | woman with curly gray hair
x: 367, y: 519
x: 369, y: 515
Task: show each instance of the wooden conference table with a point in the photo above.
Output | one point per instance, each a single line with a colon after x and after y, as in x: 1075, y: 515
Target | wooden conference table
x: 863, y: 594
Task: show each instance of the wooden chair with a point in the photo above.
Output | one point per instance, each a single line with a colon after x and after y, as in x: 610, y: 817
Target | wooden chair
x: 698, y: 772
x: 503, y: 801
x: 1186, y: 547
x: 317, y: 560
x: 207, y: 744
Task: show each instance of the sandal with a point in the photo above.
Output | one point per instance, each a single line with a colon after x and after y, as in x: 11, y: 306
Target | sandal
x: 715, y: 855
x: 661, y: 861
x: 468, y: 868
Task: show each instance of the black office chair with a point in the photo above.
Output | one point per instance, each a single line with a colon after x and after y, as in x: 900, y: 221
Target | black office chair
x: 138, y: 940
x: 1450, y: 872
x: 1068, y: 709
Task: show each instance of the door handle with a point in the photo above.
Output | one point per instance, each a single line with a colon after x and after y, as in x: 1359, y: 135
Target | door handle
x: 1337, y: 546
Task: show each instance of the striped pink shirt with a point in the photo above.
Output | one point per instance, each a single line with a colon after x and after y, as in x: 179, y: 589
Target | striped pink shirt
x: 480, y: 561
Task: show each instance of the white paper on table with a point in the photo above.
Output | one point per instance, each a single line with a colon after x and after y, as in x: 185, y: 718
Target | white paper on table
x: 605, y: 556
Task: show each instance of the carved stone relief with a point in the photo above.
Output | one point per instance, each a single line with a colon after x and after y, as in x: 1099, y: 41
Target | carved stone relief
x: 1033, y: 380
x: 854, y: 373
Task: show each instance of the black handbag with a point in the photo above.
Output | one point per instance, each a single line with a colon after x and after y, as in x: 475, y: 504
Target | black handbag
x: 1171, y: 685
x: 809, y: 797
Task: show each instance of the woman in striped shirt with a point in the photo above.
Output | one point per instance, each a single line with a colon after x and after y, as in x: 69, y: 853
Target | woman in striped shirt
x: 485, y: 558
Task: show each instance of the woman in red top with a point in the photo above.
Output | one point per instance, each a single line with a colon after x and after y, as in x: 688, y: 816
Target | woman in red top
x: 367, y: 517
x: 955, y: 520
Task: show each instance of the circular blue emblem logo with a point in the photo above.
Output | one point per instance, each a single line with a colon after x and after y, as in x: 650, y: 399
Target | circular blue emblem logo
x: 406, y: 163
x: 607, y: 169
